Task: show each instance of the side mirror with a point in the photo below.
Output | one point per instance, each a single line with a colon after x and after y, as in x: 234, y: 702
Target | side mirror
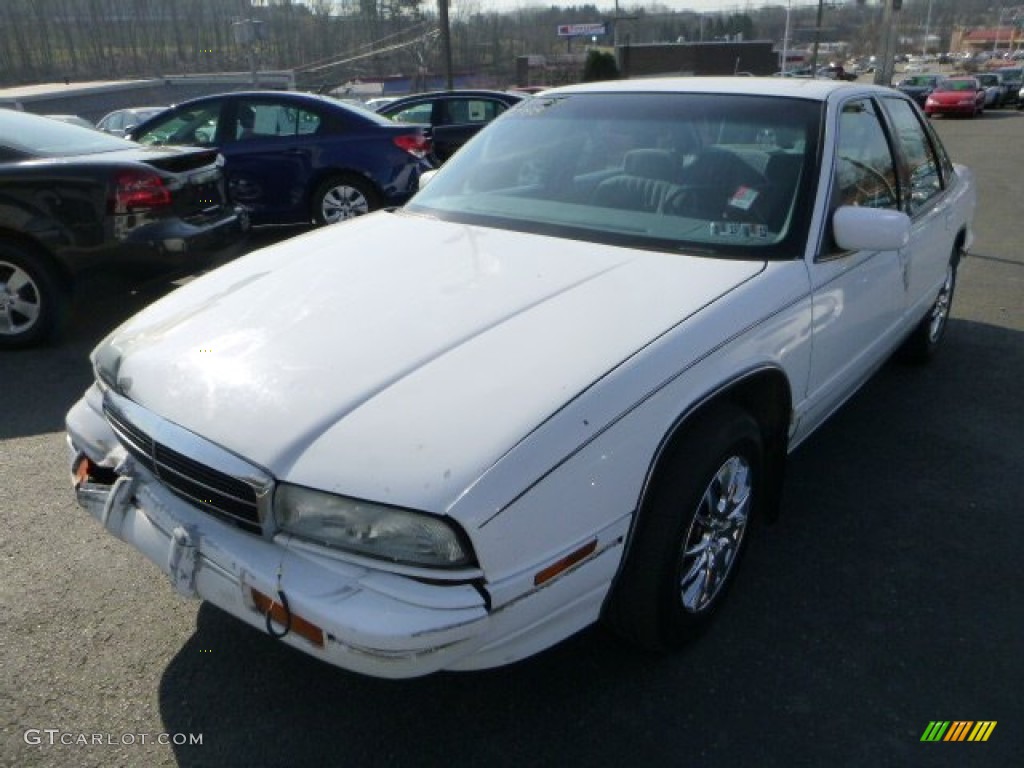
x: 870, y: 229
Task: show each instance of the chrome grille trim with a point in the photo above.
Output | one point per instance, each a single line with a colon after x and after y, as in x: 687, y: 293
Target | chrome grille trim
x: 202, y: 473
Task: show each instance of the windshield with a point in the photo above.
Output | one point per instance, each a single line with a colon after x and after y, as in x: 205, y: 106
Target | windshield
x: 38, y: 136
x: 723, y: 175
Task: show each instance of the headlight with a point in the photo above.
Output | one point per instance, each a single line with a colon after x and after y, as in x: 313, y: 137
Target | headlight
x: 374, y: 530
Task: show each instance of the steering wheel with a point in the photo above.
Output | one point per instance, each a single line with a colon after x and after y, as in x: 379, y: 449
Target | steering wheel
x: 862, y: 189
x: 712, y: 201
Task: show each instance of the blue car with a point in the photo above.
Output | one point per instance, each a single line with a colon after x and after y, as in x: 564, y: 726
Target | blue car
x: 294, y: 158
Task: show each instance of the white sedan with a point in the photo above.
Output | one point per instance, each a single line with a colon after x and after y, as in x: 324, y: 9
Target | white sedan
x: 557, y: 387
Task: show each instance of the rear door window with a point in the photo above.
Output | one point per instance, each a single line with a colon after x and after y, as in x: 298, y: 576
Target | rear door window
x: 922, y: 174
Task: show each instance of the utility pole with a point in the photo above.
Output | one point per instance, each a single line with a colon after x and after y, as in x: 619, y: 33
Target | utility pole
x: 817, y: 38
x: 785, y: 39
x: 446, y: 42
x: 890, y: 21
x: 245, y: 34
x: 927, y: 29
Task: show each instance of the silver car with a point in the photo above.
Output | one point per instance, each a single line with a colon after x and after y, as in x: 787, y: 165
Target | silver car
x: 120, y: 121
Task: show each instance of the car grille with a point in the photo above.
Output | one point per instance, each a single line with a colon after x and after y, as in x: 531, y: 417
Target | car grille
x: 221, y: 495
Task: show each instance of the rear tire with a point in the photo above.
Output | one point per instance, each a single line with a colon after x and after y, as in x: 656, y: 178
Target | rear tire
x: 691, y: 532
x: 343, y: 197
x: 922, y: 344
x: 33, y: 298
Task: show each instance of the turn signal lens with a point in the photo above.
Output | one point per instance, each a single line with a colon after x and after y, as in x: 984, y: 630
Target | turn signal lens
x: 565, y: 563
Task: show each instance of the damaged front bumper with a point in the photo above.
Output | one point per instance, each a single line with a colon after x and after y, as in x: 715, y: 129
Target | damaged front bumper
x: 372, y: 618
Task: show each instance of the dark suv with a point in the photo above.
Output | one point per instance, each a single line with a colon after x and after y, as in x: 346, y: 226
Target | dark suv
x: 918, y: 87
x: 1012, y: 79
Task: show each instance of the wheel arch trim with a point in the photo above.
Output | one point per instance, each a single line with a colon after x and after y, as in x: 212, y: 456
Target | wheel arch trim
x: 772, y: 413
x: 58, y: 268
x: 742, y: 390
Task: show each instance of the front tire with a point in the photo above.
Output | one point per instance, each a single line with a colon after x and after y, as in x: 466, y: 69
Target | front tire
x: 341, y: 198
x: 691, y: 532
x: 33, y: 299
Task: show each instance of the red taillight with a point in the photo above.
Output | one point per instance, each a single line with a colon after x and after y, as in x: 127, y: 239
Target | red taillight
x: 415, y: 144
x: 139, y: 190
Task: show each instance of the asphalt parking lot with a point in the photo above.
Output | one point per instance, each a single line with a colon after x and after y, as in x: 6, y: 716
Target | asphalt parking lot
x: 887, y: 596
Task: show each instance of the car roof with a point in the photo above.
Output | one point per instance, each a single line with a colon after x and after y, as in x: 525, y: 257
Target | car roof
x: 463, y: 92
x: 17, y: 126
x: 301, y: 97
x: 136, y: 109
x: 309, y: 98
x: 805, y: 88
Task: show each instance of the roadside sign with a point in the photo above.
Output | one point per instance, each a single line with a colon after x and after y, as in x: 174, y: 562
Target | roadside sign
x: 581, y: 30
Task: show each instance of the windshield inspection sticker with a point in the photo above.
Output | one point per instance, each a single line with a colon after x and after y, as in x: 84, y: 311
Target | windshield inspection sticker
x: 738, y: 229
x: 743, y: 198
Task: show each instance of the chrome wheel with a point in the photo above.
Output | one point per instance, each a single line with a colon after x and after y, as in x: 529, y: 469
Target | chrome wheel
x: 343, y: 202
x: 20, y: 300
x: 691, y: 531
x: 921, y: 346
x: 713, y: 540
x: 940, y: 309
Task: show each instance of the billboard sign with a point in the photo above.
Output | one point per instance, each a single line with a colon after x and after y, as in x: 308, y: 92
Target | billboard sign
x: 581, y: 30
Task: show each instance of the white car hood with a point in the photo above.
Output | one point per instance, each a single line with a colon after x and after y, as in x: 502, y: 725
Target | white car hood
x: 396, y: 358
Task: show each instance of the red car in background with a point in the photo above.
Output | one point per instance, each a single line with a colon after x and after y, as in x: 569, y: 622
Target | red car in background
x: 956, y: 96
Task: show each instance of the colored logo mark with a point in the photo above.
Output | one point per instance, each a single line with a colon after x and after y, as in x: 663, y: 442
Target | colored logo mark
x: 959, y: 730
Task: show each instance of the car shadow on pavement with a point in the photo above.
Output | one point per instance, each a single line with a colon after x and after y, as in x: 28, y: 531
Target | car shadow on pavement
x: 871, y: 607
x: 40, y: 384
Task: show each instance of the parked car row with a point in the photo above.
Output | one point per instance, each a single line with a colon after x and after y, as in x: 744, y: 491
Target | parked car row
x: 968, y: 95
x: 261, y: 157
